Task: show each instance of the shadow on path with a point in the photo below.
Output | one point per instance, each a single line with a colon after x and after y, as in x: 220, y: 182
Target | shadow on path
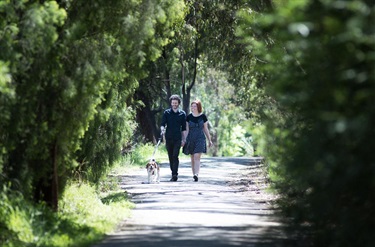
x: 204, y: 213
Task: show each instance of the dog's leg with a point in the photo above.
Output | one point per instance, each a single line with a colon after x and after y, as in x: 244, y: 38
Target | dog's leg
x: 158, y: 175
x: 149, y: 177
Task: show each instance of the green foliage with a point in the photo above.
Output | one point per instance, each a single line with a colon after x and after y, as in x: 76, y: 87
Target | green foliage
x: 83, y: 219
x: 67, y: 74
x: 319, y: 58
x: 234, y: 143
x: 226, y: 119
x: 206, y: 39
x: 10, y: 225
x: 93, y: 211
x: 7, y: 97
x: 142, y: 153
x: 104, y: 140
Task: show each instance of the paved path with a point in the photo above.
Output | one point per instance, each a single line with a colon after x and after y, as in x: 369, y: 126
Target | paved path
x: 204, y: 213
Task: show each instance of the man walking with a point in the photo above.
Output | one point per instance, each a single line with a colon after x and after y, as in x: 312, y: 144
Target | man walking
x: 174, y: 122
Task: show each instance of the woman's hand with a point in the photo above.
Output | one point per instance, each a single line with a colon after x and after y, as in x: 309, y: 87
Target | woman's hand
x: 210, y: 144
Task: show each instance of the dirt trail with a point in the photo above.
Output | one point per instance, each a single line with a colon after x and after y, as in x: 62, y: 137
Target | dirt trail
x: 223, y: 209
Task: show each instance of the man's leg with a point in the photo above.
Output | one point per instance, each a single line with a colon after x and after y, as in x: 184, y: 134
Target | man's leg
x: 173, y: 148
x: 169, y: 146
x: 176, y: 161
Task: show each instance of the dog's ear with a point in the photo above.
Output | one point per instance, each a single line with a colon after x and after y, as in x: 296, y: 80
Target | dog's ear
x: 148, y: 165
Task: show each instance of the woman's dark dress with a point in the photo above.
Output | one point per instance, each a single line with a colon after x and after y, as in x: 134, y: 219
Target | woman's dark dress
x: 196, y: 140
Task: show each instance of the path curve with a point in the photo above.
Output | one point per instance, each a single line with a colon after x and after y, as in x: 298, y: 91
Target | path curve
x: 210, y: 212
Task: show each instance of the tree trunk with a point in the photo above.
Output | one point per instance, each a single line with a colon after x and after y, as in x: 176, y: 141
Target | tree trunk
x: 46, y: 187
x: 167, y: 79
x: 214, y: 136
x: 146, y: 119
x: 55, y: 179
x: 186, y: 90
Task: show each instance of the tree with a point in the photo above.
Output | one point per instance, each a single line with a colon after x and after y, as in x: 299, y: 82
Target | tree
x: 206, y: 38
x: 68, y: 72
x: 114, y: 123
x: 218, y: 98
x: 321, y: 74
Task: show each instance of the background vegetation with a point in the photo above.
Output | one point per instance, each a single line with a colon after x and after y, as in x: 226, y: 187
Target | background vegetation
x: 319, y: 62
x: 85, y: 216
x: 83, y: 86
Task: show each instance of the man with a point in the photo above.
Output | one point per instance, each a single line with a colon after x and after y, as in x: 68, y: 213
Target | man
x: 174, y: 122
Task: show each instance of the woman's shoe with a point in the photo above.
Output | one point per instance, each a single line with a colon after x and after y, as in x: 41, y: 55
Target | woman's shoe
x: 195, y: 178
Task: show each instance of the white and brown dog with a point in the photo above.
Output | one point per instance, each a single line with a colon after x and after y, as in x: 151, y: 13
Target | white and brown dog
x: 153, y: 171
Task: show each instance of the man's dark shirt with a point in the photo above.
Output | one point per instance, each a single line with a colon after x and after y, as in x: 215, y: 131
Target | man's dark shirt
x: 175, y: 122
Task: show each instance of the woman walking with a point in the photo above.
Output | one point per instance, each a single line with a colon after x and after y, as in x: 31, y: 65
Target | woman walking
x: 197, y: 132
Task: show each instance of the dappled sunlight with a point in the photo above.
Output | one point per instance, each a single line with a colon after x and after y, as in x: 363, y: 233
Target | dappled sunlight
x: 195, y: 235
x: 205, y: 213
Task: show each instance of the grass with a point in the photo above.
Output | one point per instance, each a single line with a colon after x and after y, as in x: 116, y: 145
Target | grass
x: 143, y: 153
x: 86, y: 213
x: 83, y: 218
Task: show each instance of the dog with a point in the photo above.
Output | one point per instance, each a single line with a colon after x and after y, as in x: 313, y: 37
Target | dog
x: 153, y: 171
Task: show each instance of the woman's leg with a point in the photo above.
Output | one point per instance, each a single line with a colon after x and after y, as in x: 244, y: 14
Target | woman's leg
x: 192, y: 163
x: 197, y: 163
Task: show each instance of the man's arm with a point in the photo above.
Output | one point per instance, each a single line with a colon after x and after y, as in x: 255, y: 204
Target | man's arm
x: 163, y: 123
x: 184, y: 131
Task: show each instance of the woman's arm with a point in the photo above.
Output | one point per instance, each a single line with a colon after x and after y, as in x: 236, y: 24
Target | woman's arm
x: 207, y: 133
x: 185, y: 134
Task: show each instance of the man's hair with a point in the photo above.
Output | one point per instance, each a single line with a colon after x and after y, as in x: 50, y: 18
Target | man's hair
x: 175, y: 97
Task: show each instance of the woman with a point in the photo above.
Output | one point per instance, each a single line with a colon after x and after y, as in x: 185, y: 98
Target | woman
x: 197, y: 131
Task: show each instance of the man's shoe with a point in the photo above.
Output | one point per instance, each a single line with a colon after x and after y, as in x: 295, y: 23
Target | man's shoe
x: 195, y: 178
x: 174, y: 178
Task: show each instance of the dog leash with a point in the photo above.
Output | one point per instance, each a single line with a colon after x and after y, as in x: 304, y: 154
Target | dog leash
x: 157, y: 145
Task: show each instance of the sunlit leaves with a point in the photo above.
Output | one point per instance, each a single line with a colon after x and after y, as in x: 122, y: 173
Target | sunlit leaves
x: 5, y: 80
x: 320, y: 70
x: 67, y: 73
x: 39, y: 26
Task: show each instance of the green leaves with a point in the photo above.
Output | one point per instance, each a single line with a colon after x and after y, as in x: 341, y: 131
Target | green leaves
x: 5, y: 78
x: 39, y: 25
x: 66, y: 75
x: 320, y: 72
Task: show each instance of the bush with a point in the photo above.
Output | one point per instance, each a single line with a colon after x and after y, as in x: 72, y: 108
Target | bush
x: 320, y: 64
x: 142, y: 153
x: 83, y: 219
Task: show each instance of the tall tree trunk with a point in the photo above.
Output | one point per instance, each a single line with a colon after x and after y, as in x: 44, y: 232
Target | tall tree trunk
x: 186, y: 90
x: 214, y: 136
x: 55, y: 179
x: 167, y: 79
x: 46, y: 187
x: 146, y: 118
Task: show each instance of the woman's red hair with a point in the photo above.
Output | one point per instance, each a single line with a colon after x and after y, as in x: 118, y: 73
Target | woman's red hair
x: 199, y: 105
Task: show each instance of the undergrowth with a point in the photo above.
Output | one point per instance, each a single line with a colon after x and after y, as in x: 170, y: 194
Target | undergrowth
x: 144, y: 152
x: 86, y: 212
x: 83, y: 218
x: 141, y: 155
